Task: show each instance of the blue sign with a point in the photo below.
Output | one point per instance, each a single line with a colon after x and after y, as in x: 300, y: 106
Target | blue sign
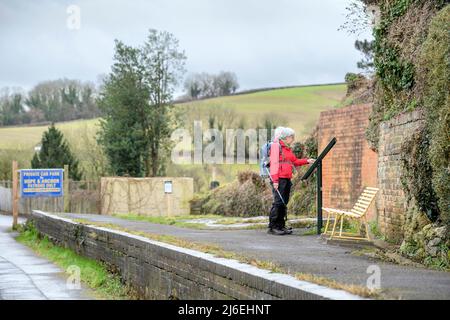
x: 41, y: 183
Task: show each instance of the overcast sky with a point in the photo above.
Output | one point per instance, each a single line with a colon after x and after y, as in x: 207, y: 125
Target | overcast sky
x: 265, y: 42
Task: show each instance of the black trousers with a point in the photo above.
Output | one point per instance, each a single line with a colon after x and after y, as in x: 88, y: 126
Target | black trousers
x: 279, y: 210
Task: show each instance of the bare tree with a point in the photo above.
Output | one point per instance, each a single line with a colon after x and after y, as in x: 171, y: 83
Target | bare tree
x: 205, y: 85
x: 357, y: 20
x: 226, y: 83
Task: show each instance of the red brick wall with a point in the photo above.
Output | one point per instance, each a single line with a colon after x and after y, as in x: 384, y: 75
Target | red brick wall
x: 351, y: 165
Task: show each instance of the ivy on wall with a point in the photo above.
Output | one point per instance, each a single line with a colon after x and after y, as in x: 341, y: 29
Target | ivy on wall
x: 399, y: 77
x: 435, y: 64
x: 412, y: 66
x: 417, y: 171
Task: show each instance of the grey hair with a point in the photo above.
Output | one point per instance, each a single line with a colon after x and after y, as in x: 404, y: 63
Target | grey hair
x: 282, y: 132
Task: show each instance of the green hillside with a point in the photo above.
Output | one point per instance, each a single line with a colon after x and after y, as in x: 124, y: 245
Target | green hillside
x: 299, y: 106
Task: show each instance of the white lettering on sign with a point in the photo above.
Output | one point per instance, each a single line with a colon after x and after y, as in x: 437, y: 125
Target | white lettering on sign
x: 41, y: 182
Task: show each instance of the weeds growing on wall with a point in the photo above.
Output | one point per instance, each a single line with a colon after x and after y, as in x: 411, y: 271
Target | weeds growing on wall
x: 399, y: 41
x: 412, y: 50
x: 417, y: 171
x: 435, y: 72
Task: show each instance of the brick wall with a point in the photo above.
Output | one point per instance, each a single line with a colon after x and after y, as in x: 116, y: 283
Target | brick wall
x: 391, y: 201
x: 351, y: 165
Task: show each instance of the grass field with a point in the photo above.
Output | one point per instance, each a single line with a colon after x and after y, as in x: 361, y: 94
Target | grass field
x: 26, y: 137
x: 297, y: 107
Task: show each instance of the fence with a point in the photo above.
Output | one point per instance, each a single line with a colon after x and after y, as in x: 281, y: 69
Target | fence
x: 84, y: 197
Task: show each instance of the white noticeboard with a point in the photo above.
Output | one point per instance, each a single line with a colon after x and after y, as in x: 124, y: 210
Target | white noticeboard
x: 168, y: 187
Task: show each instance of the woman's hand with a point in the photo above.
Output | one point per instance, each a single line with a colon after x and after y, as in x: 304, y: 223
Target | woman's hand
x: 311, y: 161
x: 275, y: 186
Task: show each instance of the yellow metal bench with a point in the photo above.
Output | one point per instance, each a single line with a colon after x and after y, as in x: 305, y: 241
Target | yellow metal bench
x: 358, y: 212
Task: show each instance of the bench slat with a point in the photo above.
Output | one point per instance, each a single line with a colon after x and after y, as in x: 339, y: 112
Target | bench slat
x: 367, y: 197
x: 357, y: 213
x: 361, y: 205
x: 358, y: 210
x: 363, y: 201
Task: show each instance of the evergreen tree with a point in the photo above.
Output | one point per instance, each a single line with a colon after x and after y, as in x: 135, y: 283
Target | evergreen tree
x: 55, y: 153
x: 136, y: 101
x: 366, y: 48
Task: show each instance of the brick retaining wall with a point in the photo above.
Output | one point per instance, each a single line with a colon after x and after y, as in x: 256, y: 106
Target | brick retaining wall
x: 351, y: 165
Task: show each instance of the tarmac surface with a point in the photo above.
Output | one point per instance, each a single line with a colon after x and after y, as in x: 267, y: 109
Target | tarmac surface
x: 307, y: 254
x: 26, y: 276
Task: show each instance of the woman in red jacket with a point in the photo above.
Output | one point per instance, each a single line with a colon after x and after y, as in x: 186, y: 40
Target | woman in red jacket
x: 282, y: 161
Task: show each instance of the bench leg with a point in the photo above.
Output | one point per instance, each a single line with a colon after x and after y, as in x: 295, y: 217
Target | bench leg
x: 334, y: 226
x: 360, y: 226
x: 367, y: 229
x: 328, y: 223
x: 340, y: 229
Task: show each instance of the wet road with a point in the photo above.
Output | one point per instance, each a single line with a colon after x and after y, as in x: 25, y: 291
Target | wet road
x: 26, y: 276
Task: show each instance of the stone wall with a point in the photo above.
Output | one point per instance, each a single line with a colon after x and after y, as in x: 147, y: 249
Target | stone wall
x: 351, y: 165
x: 158, y: 270
x: 391, y: 201
x: 146, y: 196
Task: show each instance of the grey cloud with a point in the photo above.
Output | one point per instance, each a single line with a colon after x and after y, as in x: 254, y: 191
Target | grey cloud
x: 267, y: 43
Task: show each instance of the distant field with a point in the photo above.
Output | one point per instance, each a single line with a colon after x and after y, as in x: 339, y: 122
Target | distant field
x: 299, y: 106
x: 26, y: 137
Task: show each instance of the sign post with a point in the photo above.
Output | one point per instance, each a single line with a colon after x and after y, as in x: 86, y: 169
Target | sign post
x: 168, y: 189
x: 318, y: 165
x: 15, y: 194
x: 66, y: 189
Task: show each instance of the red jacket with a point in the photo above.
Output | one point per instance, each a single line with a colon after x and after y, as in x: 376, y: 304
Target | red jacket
x: 281, y: 164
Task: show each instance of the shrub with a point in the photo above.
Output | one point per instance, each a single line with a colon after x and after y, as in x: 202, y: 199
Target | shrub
x: 354, y: 81
x: 248, y: 196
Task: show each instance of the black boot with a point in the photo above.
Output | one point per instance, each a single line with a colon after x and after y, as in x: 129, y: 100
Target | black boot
x: 278, y: 232
x: 287, y: 230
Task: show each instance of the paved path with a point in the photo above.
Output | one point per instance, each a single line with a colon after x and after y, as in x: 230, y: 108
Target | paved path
x: 24, y: 275
x: 308, y: 254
